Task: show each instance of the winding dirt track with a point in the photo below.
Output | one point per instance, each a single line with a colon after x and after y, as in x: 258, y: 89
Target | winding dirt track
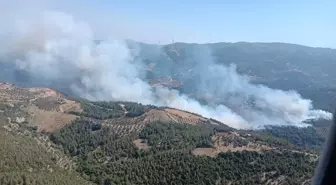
x: 123, y: 107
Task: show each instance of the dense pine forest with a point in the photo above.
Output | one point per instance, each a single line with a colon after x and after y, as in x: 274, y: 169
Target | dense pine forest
x: 102, y: 147
x: 105, y: 157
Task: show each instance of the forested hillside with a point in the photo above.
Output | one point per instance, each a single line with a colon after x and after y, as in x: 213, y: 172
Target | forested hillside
x: 164, y: 156
x: 103, y: 144
x: 25, y: 160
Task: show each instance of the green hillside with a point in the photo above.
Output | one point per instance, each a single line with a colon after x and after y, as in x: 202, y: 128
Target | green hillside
x: 25, y: 162
x: 129, y: 143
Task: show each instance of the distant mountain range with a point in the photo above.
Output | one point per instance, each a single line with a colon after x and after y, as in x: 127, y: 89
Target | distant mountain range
x: 308, y: 70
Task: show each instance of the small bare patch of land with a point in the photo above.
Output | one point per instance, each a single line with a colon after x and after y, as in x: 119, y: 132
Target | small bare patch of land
x: 229, y: 141
x: 49, y: 121
x: 141, y: 144
x: 187, y: 117
x: 204, y: 151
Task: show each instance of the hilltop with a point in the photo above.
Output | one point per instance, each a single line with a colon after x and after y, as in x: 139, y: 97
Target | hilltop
x: 77, y: 141
x: 49, y: 110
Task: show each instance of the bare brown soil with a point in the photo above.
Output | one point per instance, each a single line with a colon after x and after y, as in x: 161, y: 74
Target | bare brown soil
x: 42, y: 107
x: 204, y: 151
x: 45, y: 92
x: 69, y: 105
x: 181, y: 116
x: 186, y: 117
x: 141, y: 144
x: 49, y: 121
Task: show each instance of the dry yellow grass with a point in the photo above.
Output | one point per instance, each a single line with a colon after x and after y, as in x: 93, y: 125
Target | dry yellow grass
x: 49, y: 121
x: 30, y: 99
x: 141, y: 144
x: 69, y: 105
x: 204, y: 151
x: 45, y: 92
x: 186, y: 117
x: 181, y: 116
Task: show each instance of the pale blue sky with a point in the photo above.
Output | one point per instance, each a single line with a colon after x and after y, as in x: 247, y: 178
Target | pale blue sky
x: 304, y: 22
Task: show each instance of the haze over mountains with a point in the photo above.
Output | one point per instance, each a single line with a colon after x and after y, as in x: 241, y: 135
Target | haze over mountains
x: 82, y: 137
x: 215, y: 80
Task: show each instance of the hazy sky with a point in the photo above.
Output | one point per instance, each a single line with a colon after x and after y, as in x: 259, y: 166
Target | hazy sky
x: 304, y: 22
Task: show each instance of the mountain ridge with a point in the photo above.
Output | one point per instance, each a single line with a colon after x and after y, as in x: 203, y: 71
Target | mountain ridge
x: 236, y: 42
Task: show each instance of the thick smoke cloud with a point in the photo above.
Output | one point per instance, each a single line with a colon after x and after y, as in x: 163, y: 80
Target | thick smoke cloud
x: 58, y: 51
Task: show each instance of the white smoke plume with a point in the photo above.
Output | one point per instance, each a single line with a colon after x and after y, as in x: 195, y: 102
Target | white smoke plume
x: 57, y: 49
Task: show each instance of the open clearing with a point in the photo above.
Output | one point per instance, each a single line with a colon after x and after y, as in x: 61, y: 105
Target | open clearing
x: 223, y: 142
x: 49, y: 121
x: 141, y: 144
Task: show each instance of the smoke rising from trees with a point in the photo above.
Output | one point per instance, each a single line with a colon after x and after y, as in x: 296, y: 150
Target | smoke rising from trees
x: 58, y: 51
